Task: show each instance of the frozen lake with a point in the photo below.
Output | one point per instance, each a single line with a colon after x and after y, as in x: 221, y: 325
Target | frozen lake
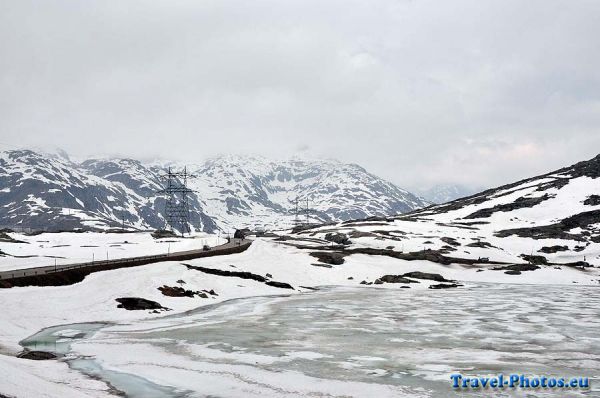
x: 348, y: 342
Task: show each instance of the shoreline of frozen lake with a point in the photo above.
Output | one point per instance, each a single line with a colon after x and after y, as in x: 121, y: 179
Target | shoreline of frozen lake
x: 349, y: 341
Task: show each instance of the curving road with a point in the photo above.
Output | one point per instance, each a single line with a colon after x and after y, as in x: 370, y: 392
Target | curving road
x: 224, y: 249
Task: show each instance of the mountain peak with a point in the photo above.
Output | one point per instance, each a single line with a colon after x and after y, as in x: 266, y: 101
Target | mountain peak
x: 47, y: 191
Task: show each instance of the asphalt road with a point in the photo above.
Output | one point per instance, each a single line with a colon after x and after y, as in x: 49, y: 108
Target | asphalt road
x: 213, y: 251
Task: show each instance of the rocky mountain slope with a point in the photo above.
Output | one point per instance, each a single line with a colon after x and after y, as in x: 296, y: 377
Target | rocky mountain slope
x: 42, y: 191
x: 549, y: 219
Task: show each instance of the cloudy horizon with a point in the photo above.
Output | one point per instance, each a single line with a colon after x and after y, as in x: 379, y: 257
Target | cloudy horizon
x: 421, y: 93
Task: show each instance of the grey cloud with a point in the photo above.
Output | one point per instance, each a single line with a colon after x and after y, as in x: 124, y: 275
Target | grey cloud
x: 420, y: 92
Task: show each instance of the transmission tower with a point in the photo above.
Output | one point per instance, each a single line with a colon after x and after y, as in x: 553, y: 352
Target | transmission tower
x: 307, y: 212
x: 299, y: 212
x: 295, y: 211
x: 176, y: 206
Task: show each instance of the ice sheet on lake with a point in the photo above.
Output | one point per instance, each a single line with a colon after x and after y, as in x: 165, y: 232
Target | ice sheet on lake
x: 363, y: 342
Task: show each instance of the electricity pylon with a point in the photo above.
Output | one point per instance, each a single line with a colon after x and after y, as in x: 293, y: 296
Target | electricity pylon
x: 177, y: 213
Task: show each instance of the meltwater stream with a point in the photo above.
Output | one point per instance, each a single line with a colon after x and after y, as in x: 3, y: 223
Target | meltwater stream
x: 362, y: 342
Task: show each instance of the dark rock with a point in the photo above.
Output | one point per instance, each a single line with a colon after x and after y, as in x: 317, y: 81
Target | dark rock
x: 309, y: 288
x: 378, y: 282
x: 269, y: 276
x: 557, y: 230
x: 425, y: 275
x: 395, y: 279
x: 553, y: 249
x: 281, y: 285
x: 447, y: 249
x: 322, y: 265
x: 176, y: 291
x: 37, y: 355
x: 377, y: 218
x: 519, y: 203
x: 450, y: 241
x: 533, y: 259
x: 363, y: 282
x: 181, y: 282
x: 361, y: 234
x: 429, y: 255
x: 162, y: 233
x: 557, y: 184
x: 350, y: 278
x: 592, y: 200
x: 482, y: 244
x: 366, y: 222
x: 333, y: 258
x: 513, y: 272
x: 580, y: 264
x: 137, y: 303
x: 395, y: 233
x: 236, y: 274
x: 339, y: 238
x: 462, y: 225
x: 444, y: 286
x: 517, y: 267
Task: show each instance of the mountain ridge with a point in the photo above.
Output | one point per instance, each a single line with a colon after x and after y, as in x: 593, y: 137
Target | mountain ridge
x: 551, y: 219
x: 51, y: 191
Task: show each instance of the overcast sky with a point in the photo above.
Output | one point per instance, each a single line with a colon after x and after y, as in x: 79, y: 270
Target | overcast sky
x: 420, y: 92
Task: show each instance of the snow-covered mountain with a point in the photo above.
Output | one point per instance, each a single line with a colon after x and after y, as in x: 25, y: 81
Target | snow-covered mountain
x: 255, y: 191
x: 564, y: 203
x: 444, y: 193
x: 43, y: 191
x: 555, y: 215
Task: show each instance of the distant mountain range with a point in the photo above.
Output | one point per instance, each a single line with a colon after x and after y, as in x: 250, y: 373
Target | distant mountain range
x: 52, y: 192
x: 446, y: 193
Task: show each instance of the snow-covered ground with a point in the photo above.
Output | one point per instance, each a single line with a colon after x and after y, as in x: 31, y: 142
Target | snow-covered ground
x: 71, y: 247
x: 476, y: 225
x: 414, y: 236
x: 26, y: 310
x: 94, y: 298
